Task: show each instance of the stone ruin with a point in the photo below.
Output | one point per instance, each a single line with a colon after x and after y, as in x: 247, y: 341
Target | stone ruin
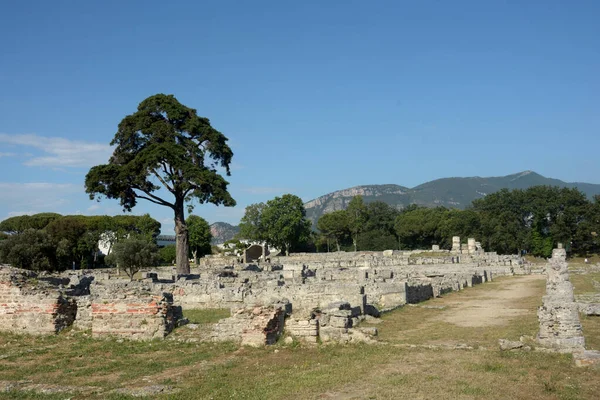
x: 30, y: 305
x: 472, y: 246
x: 311, y: 296
x: 560, y: 327
x: 41, y: 304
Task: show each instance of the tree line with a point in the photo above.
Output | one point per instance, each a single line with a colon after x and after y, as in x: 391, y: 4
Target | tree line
x: 53, y: 242
x: 531, y: 221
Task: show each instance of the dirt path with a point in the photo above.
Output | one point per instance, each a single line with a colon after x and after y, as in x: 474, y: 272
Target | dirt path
x: 494, y: 307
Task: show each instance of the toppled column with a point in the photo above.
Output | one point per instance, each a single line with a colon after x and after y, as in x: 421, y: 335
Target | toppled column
x: 456, y: 244
x: 560, y: 327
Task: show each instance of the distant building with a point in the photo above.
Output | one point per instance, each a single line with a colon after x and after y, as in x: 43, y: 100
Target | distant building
x: 166, y: 240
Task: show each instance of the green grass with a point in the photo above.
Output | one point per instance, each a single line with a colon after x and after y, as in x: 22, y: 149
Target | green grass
x: 206, y: 316
x: 383, y: 371
x: 584, y: 283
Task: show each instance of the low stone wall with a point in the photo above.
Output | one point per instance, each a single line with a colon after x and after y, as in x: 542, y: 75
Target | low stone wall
x: 252, y: 326
x: 335, y: 323
x: 132, y: 310
x: 31, y: 305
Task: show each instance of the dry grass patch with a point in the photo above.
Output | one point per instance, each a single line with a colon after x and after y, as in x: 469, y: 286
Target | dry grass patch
x: 388, y: 370
x: 427, y: 323
x: 584, y: 283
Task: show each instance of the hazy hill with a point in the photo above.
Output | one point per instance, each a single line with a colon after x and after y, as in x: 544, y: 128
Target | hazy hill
x: 448, y: 192
x: 222, y: 232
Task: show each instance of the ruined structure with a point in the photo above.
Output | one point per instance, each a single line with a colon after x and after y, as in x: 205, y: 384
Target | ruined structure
x: 30, y: 305
x: 311, y: 296
x: 560, y: 327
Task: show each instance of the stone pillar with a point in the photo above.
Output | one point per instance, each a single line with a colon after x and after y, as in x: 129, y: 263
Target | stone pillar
x: 471, y: 245
x: 560, y: 327
x: 456, y: 244
x: 435, y: 247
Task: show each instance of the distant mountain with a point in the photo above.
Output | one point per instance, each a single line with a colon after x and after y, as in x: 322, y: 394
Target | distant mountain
x: 222, y: 232
x: 447, y: 192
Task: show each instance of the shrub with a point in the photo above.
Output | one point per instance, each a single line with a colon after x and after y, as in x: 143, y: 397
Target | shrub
x: 168, y: 254
x: 32, y: 249
x: 133, y: 254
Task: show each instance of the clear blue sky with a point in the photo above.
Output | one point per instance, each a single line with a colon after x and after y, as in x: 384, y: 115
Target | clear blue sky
x: 315, y: 96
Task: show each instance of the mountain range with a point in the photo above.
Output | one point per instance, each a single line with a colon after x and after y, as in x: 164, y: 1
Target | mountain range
x: 447, y: 192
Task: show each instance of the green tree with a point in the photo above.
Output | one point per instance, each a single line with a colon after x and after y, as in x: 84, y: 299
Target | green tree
x: 506, y: 221
x: 357, y: 217
x: 251, y: 224
x: 23, y: 222
x: 165, y: 145
x: 379, y: 233
x: 463, y: 223
x: 419, y: 228
x: 586, y: 238
x: 167, y: 254
x: 121, y: 227
x: 284, y: 221
x: 31, y: 249
x: 76, y: 241
x: 334, y: 225
x: 133, y: 254
x: 199, y: 236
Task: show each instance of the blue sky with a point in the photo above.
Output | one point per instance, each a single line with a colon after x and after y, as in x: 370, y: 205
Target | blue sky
x: 314, y: 96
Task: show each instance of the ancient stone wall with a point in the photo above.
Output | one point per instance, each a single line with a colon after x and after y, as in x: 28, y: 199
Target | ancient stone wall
x: 256, y: 325
x: 135, y: 310
x: 31, y: 305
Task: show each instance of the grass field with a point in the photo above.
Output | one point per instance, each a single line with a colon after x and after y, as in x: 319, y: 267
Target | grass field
x: 420, y: 356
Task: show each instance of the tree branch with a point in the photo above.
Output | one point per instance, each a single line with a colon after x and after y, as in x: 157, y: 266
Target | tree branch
x: 162, y: 180
x: 153, y: 201
x: 153, y: 198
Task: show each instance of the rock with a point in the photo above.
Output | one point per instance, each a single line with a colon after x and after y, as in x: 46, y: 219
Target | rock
x: 509, y: 345
x: 372, y: 320
x: 288, y: 340
x: 592, y: 309
x: 370, y: 330
x: 388, y: 253
x: 587, y: 358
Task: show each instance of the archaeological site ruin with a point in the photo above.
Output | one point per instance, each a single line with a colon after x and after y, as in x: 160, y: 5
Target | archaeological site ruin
x: 311, y: 298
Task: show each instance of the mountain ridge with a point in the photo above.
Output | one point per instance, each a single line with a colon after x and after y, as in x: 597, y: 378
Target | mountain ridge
x: 451, y: 192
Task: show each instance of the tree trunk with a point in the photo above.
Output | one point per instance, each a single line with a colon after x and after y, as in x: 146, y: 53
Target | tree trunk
x: 181, y: 235
x: 195, y: 255
x: 337, y: 243
x: 354, y: 239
